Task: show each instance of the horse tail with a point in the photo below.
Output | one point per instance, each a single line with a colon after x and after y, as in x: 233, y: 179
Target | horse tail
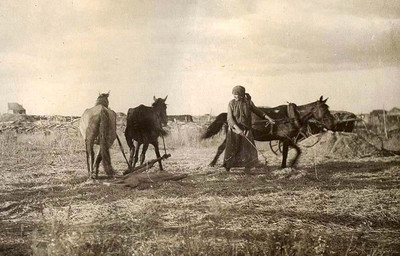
x: 128, y: 135
x: 103, y: 141
x: 216, y: 126
x: 129, y: 128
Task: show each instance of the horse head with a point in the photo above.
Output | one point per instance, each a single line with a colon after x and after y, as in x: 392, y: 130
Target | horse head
x: 160, y: 107
x: 320, y: 112
x: 103, y: 99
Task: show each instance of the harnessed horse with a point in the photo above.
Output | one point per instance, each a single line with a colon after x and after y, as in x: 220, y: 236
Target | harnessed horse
x: 283, y: 130
x: 98, y: 126
x: 144, y: 126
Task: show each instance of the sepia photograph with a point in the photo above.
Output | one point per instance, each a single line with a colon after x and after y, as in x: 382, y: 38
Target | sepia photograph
x: 188, y: 127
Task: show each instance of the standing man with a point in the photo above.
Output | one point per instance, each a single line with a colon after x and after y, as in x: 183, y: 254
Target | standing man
x: 240, y: 148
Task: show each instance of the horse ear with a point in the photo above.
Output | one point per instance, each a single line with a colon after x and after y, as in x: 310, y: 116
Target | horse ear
x: 154, y: 98
x: 108, y: 93
x: 321, y: 98
x: 325, y: 100
x: 166, y: 98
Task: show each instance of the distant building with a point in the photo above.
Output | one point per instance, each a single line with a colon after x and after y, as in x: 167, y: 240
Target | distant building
x: 393, y: 116
x: 387, y: 120
x: 16, y: 108
x: 394, y: 112
x: 376, y: 116
x: 181, y: 118
x: 378, y: 112
x: 207, y: 118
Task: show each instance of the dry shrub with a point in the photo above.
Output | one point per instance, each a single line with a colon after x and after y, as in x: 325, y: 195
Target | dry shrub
x: 61, y: 241
x: 38, y: 150
x: 55, y: 140
x: 7, y: 117
x: 391, y: 142
x: 288, y: 240
x: 189, y: 135
x: 393, y: 171
x: 289, y: 173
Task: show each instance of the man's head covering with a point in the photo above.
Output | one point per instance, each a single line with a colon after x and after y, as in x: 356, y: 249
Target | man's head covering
x: 238, y: 90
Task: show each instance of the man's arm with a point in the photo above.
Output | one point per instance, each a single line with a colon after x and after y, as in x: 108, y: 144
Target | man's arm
x: 259, y: 112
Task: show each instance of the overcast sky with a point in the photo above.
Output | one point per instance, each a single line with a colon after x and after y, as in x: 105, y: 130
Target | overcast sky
x: 56, y: 56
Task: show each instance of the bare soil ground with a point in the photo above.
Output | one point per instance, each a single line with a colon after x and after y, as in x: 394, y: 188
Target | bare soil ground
x: 326, y: 206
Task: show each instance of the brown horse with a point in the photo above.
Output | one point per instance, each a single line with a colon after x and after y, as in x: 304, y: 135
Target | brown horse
x: 98, y: 126
x: 144, y: 126
x: 284, y: 130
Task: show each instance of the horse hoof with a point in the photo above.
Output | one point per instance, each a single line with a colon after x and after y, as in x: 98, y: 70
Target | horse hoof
x: 212, y: 163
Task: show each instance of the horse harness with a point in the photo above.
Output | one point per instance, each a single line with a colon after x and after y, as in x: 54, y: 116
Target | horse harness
x: 293, y: 117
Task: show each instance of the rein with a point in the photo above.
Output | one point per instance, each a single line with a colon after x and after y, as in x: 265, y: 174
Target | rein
x: 254, y: 146
x: 122, y: 150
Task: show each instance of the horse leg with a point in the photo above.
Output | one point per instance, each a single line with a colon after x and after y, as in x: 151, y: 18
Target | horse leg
x: 298, y: 152
x: 97, y: 164
x: 143, y: 155
x: 285, y: 151
x: 104, y: 143
x: 131, y: 154
x: 87, y: 158
x: 90, y: 152
x: 221, y: 149
x: 156, y: 149
x: 137, y: 147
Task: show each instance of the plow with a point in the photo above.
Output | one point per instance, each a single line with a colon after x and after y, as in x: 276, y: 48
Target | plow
x: 138, y: 177
x: 134, y: 177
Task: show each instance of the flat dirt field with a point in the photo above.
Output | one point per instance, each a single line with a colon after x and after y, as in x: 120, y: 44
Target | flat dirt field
x: 327, y: 205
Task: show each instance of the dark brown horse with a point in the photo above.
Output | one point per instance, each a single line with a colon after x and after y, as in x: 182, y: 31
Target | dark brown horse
x: 144, y: 126
x: 284, y: 130
x: 98, y: 126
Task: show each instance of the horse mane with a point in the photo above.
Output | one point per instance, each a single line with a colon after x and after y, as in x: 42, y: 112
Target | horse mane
x: 158, y: 103
x: 159, y: 107
x: 102, y: 100
x: 306, y: 107
x: 312, y: 104
x: 294, y: 115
